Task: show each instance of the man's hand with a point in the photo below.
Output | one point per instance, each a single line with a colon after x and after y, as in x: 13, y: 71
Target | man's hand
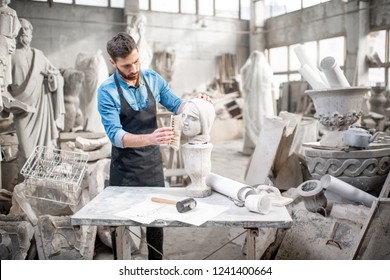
x: 162, y: 135
x: 204, y: 96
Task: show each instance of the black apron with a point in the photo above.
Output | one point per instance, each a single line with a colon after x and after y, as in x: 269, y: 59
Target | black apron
x: 137, y: 166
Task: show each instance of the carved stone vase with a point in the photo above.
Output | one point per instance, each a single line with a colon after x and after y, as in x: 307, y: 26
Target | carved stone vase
x: 378, y: 100
x: 337, y: 109
x: 197, y: 164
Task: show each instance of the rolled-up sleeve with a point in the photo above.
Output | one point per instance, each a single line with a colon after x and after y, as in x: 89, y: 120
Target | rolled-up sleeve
x: 163, y: 94
x: 109, y: 109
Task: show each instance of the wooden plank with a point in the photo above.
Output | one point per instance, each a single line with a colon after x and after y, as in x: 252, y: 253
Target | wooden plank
x: 367, y: 230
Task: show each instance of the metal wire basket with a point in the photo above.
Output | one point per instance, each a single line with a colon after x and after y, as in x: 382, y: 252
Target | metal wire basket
x: 55, y: 175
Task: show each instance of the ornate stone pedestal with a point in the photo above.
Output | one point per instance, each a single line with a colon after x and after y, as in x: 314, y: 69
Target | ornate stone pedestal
x: 364, y: 169
x: 197, y: 164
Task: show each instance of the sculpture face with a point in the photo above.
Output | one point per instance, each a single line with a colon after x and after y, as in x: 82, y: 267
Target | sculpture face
x: 191, y: 121
x: 198, y: 117
x: 4, y: 2
x: 25, y: 33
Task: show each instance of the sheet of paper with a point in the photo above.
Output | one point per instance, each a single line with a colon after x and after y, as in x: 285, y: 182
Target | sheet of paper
x: 148, y: 211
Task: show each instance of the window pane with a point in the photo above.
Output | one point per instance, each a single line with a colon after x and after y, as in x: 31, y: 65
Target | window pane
x: 278, y: 59
x: 225, y: 8
x: 206, y: 7
x: 97, y: 3
x: 295, y: 77
x: 293, y: 59
x: 143, y: 4
x: 308, y: 3
x: 377, y: 45
x: 171, y: 6
x: 63, y: 1
x: 188, y: 6
x: 277, y: 81
x: 333, y: 47
x: 376, y: 76
x: 245, y: 9
x: 118, y: 3
x: 292, y: 6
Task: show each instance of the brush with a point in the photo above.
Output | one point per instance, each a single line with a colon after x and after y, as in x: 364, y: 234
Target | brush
x: 176, y: 126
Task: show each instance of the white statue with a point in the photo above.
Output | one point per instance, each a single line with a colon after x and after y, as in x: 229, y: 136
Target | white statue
x: 137, y: 31
x: 256, y: 89
x: 9, y: 29
x: 198, y: 117
x: 39, y: 85
x: 95, y: 72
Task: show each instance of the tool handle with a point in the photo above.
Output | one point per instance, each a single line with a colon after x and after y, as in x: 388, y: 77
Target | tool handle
x: 163, y: 200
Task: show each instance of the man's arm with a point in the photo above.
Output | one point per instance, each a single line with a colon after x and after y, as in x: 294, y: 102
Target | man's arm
x: 162, y: 135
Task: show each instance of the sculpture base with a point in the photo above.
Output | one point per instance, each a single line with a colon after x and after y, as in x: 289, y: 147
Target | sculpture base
x: 195, y: 191
x: 197, y: 164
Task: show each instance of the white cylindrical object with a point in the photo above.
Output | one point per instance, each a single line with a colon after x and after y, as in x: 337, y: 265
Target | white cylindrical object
x: 346, y: 190
x: 312, y: 78
x: 259, y: 203
x: 228, y: 187
x: 303, y: 58
x: 333, y: 73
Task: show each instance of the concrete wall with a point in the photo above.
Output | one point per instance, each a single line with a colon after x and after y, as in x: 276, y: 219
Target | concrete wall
x: 62, y: 31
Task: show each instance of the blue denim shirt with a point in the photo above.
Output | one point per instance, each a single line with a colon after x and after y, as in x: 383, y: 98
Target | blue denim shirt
x: 109, y: 104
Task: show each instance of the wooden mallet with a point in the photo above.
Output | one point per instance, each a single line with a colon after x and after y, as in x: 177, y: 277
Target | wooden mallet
x: 182, y: 206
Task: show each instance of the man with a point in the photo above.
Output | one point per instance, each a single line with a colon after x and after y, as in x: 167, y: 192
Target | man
x: 37, y: 83
x: 127, y: 105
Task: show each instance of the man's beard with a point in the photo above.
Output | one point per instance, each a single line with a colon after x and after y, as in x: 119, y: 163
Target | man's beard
x: 25, y: 40
x: 130, y: 77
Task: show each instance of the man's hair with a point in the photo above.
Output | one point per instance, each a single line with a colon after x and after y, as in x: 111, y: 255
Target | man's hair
x: 121, y: 45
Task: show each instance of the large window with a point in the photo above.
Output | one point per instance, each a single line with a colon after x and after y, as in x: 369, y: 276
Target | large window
x: 378, y: 58
x: 285, y: 64
x: 96, y: 3
x: 280, y: 7
x: 239, y: 9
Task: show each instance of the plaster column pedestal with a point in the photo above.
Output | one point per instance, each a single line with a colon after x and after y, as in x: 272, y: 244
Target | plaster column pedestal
x: 197, y: 164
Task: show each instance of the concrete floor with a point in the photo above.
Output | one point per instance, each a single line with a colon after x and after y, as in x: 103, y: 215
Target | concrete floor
x: 199, y: 243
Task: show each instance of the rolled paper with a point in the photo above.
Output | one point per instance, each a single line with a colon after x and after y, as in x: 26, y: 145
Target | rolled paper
x: 259, y: 203
x: 333, y: 73
x: 311, y: 77
x: 346, y: 190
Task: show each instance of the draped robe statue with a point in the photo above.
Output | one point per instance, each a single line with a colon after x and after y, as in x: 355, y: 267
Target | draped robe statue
x: 37, y: 83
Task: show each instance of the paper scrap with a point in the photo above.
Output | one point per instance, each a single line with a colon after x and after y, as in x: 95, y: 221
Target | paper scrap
x: 147, y: 212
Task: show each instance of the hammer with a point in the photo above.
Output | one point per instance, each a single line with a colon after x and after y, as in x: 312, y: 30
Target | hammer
x: 182, y: 206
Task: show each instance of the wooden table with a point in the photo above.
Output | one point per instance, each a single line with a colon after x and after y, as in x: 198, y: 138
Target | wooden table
x: 102, y: 210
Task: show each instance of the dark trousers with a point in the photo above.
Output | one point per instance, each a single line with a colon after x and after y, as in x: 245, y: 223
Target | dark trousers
x: 154, y: 238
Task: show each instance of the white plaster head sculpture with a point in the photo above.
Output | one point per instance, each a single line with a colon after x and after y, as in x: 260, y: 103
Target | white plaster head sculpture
x: 198, y: 118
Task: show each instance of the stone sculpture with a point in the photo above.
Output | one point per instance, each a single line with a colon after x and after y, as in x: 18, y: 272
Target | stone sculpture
x: 95, y: 71
x: 73, y: 84
x: 198, y: 118
x: 136, y: 29
x: 37, y: 83
x: 9, y: 28
x: 256, y: 88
